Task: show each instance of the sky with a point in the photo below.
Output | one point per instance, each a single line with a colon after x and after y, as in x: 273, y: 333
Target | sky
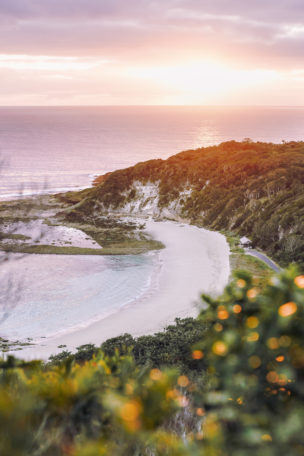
x: 152, y: 52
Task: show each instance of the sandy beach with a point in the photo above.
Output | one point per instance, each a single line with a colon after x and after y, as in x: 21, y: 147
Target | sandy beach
x: 194, y: 260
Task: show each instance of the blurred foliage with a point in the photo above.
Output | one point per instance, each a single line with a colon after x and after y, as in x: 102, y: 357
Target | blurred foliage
x: 254, y: 189
x: 254, y: 354
x: 243, y: 398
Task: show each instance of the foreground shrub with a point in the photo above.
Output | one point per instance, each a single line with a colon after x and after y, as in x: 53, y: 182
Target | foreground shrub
x: 255, y: 359
x: 244, y: 398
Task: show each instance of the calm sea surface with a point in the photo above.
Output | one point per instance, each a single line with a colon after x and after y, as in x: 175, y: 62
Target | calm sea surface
x: 64, y: 148
x: 53, y: 294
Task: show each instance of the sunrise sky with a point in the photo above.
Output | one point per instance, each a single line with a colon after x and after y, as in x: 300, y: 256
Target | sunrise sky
x: 142, y: 52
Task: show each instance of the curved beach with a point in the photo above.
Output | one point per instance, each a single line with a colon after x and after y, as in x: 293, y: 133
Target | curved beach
x: 193, y: 261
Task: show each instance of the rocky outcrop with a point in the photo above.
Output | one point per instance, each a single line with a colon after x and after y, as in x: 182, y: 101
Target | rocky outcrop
x: 142, y: 199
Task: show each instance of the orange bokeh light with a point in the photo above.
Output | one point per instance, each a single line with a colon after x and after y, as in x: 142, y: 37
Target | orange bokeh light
x: 287, y: 309
x: 197, y: 354
x: 222, y: 313
x: 299, y: 281
x: 219, y: 348
x: 237, y: 308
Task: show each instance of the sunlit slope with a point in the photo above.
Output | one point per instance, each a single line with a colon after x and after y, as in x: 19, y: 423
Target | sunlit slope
x: 254, y: 189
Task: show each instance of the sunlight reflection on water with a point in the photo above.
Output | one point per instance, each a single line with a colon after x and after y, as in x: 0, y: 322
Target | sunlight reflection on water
x: 66, y: 147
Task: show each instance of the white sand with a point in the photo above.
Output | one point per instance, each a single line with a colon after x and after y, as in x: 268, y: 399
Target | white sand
x: 41, y: 233
x: 195, y: 260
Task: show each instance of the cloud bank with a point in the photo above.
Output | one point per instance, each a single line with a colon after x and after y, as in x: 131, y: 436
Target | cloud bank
x: 112, y: 40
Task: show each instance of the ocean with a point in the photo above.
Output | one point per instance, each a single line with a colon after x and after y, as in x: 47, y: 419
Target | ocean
x: 50, y: 149
x: 57, y: 149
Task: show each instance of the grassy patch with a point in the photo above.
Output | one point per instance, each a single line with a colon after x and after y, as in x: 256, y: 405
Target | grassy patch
x: 7, y: 345
x: 260, y: 271
x: 115, y: 236
x: 14, y: 236
x: 130, y: 248
x: 233, y: 240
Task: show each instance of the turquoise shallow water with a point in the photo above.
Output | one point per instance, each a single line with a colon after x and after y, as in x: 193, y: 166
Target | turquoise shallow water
x: 51, y: 294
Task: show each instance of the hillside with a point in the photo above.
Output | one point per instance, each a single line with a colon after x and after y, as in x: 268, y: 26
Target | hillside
x: 253, y: 189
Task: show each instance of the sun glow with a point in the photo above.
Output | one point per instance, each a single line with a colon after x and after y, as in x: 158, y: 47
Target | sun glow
x: 100, y: 80
x: 202, y: 81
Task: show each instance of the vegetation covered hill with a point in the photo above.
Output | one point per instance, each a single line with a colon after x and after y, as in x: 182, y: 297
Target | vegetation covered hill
x: 237, y: 387
x: 253, y: 189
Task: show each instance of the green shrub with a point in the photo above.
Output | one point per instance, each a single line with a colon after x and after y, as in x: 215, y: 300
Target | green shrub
x: 244, y: 397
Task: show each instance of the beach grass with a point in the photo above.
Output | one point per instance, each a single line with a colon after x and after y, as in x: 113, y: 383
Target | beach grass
x: 14, y: 236
x: 114, y: 236
x: 128, y: 248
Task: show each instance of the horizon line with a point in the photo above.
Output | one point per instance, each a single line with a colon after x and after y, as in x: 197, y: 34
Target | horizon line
x: 151, y: 106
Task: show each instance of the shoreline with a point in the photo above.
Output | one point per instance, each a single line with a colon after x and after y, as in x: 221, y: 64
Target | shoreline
x: 143, y: 294
x: 194, y: 261
x: 43, y: 227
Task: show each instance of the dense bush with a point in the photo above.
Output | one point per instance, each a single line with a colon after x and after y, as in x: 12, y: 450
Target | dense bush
x: 249, y: 353
x: 255, y: 358
x: 238, y: 186
x: 169, y: 348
